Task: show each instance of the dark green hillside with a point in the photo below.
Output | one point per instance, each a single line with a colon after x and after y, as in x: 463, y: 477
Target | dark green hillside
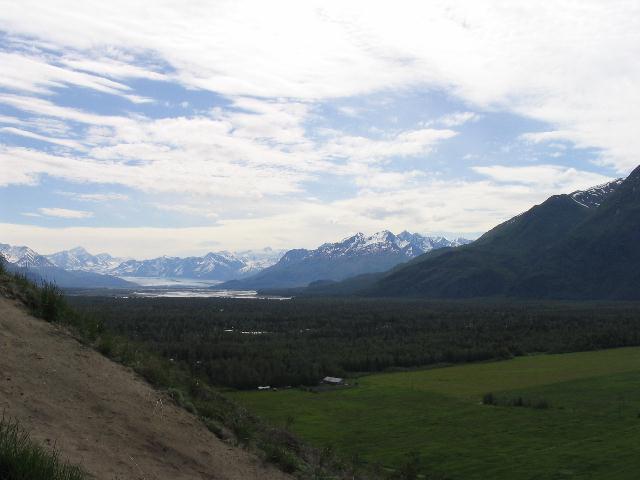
x: 560, y: 249
x: 492, y: 264
x: 602, y: 256
x: 536, y: 229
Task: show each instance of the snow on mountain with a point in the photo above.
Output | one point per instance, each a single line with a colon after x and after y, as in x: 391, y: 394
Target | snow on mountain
x: 212, y: 266
x: 23, y: 256
x: 594, y: 196
x: 354, y: 255
x: 257, y: 260
x: 226, y: 265
x: 406, y: 243
x: 79, y: 259
x: 40, y: 269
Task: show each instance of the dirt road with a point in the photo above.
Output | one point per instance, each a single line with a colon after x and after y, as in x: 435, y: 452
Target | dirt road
x: 100, y: 415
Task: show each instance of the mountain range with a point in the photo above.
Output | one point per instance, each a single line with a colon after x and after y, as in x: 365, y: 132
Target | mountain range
x: 39, y: 267
x: 266, y: 268
x: 355, y: 255
x: 218, y: 266
x: 582, y: 245
x: 79, y: 259
x: 212, y: 266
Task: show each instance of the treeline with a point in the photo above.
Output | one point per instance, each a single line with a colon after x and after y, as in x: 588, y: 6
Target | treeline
x: 246, y: 343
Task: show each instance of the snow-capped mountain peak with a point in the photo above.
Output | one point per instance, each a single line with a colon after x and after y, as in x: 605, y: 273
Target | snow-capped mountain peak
x: 23, y: 256
x: 406, y: 244
x: 223, y: 265
x: 354, y: 255
x: 226, y: 265
x: 385, y: 236
x: 594, y: 196
x: 79, y: 258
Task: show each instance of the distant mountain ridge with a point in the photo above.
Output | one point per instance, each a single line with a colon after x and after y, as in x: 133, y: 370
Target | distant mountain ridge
x: 79, y: 259
x: 23, y: 257
x: 582, y: 246
x: 354, y: 255
x: 218, y: 266
x: 39, y: 268
x: 246, y: 269
x: 79, y: 268
x: 213, y: 266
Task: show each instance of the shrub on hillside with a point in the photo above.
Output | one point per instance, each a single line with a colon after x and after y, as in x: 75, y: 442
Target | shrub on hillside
x: 517, y: 401
x: 22, y: 459
x: 52, y: 304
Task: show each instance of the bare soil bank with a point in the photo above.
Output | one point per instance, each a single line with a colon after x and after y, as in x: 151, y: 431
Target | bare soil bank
x: 101, y: 415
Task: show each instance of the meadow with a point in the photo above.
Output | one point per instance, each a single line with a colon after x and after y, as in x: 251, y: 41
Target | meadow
x: 587, y: 425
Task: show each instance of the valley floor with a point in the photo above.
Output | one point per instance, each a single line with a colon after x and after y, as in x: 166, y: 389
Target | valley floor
x: 586, y: 424
x: 101, y: 415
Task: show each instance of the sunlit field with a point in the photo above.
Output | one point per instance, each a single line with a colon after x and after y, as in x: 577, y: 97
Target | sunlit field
x: 589, y: 426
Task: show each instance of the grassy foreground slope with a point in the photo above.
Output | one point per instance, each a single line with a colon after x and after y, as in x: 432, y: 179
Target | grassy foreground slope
x: 23, y: 459
x: 591, y: 428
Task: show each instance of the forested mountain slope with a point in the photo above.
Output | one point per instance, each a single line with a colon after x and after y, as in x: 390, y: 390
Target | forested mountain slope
x: 583, y: 245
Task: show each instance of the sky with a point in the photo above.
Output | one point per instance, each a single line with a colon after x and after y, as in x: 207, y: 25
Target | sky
x: 154, y: 127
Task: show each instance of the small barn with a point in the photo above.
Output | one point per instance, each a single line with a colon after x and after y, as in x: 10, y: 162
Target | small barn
x: 333, y: 380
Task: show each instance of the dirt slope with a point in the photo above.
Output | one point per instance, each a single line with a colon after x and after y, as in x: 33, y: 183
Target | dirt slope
x: 101, y: 415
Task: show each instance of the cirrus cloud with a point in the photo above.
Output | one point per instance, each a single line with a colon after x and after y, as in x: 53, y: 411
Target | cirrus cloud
x: 64, y: 213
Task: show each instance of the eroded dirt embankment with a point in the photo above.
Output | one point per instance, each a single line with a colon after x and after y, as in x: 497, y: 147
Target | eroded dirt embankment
x: 101, y: 415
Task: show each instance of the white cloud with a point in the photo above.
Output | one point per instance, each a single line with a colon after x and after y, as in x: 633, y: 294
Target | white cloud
x: 64, y: 213
x: 545, y: 177
x: 11, y: 120
x: 542, y: 137
x: 259, y: 148
x: 570, y: 64
x: 380, y: 180
x: 44, y: 107
x: 112, y: 68
x: 57, y: 141
x: 95, y: 197
x: 48, y: 126
x: 348, y: 111
x: 408, y: 143
x: 37, y: 75
x: 456, y: 119
x: 424, y: 205
x: 186, y: 209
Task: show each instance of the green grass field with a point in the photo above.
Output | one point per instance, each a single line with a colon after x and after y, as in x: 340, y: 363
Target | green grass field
x: 591, y: 430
